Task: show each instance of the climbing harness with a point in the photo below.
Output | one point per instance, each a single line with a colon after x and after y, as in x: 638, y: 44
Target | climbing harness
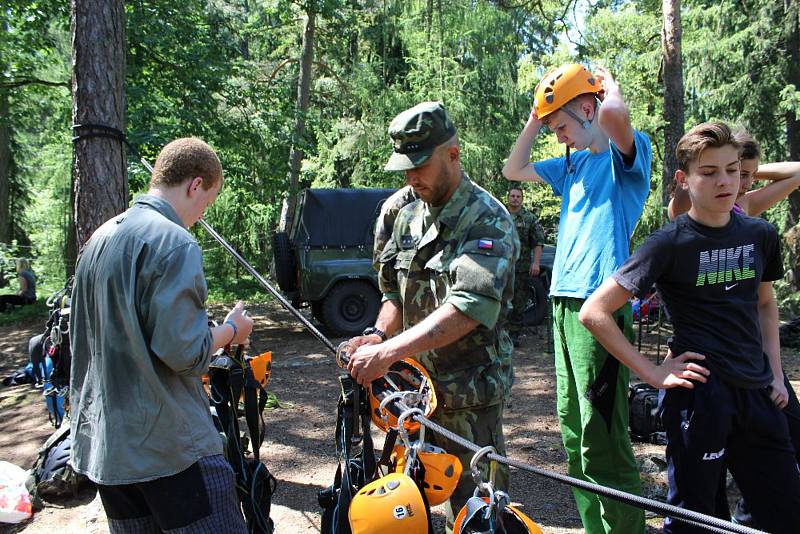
x: 232, y: 378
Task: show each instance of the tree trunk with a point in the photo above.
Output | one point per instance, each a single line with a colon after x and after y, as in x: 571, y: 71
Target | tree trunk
x: 5, y: 170
x: 792, y: 29
x: 296, y: 153
x: 99, y: 166
x: 673, y: 92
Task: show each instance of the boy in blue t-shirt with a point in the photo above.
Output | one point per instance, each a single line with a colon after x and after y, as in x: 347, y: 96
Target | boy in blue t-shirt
x: 713, y: 269
x: 603, y: 185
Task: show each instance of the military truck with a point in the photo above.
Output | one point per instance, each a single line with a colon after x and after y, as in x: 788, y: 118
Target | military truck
x: 324, y: 260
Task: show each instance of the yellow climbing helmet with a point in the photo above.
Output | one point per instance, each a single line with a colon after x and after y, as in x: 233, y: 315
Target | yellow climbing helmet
x: 442, y: 470
x: 389, y: 505
x: 561, y: 85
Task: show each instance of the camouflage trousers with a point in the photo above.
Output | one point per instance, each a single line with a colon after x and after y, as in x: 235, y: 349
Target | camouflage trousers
x: 482, y: 425
x: 521, y: 290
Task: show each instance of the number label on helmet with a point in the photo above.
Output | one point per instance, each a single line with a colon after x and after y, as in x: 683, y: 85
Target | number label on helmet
x: 400, y: 512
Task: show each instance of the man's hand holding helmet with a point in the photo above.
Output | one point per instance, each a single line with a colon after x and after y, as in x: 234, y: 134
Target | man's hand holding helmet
x: 370, y: 361
x: 534, y: 120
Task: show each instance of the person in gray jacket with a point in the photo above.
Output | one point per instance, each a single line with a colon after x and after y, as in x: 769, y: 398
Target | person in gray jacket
x: 141, y: 425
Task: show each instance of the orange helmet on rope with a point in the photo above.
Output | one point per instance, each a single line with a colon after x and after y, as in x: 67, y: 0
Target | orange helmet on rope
x: 472, y: 519
x: 442, y: 470
x: 406, y: 382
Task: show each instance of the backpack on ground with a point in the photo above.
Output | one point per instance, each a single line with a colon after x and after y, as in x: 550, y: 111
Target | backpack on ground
x: 645, y: 421
x: 51, y: 476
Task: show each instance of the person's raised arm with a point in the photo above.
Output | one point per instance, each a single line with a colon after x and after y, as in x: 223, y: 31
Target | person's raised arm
x: 679, y: 203
x: 518, y: 167
x: 785, y: 177
x: 614, y: 117
x: 597, y: 315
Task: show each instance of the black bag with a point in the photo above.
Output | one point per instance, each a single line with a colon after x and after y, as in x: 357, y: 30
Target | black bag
x: 645, y: 421
x: 354, y: 470
x: 51, y: 476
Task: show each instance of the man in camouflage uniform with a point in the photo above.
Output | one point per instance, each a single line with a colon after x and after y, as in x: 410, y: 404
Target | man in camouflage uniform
x: 446, y: 274
x: 531, y: 240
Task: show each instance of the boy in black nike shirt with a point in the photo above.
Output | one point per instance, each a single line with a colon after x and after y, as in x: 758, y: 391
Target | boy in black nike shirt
x: 713, y: 269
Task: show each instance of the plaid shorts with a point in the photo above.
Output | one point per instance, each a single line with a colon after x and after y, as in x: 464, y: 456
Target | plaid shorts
x: 201, y: 499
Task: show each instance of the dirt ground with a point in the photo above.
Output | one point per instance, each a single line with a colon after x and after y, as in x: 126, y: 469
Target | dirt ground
x: 299, y: 448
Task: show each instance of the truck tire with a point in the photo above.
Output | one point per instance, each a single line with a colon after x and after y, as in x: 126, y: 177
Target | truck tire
x: 350, y: 307
x: 285, y: 262
x: 536, y: 307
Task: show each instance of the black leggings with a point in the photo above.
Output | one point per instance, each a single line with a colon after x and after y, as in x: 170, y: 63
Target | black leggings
x: 6, y: 301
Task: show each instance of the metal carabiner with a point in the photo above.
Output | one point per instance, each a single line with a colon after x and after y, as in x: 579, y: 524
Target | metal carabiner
x: 383, y: 410
x: 485, y: 487
x: 411, y: 448
x: 343, y: 354
x: 475, y: 470
x: 401, y: 428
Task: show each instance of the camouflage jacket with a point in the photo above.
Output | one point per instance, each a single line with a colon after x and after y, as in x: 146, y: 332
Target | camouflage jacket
x: 462, y: 254
x: 385, y: 222
x: 530, y: 234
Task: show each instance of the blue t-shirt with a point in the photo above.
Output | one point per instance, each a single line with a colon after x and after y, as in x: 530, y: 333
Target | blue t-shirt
x: 602, y: 198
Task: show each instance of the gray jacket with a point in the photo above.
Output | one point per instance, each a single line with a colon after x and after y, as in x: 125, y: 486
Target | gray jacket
x: 140, y: 344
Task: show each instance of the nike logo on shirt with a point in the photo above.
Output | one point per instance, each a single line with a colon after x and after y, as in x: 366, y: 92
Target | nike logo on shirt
x: 728, y: 288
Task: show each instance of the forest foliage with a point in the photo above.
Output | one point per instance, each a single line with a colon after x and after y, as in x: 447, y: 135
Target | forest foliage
x: 227, y: 70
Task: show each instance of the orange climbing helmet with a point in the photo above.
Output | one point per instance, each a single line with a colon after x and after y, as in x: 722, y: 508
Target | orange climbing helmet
x: 262, y: 368
x: 561, y: 85
x: 406, y: 381
x: 472, y: 519
x: 389, y: 505
x: 442, y: 470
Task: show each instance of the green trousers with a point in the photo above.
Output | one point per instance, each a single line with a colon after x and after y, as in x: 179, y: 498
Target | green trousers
x: 592, y: 390
x: 482, y: 425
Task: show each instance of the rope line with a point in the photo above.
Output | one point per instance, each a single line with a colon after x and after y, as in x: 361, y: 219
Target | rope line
x: 713, y: 524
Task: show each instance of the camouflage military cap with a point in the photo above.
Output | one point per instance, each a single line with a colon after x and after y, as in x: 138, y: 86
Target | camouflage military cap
x: 416, y: 133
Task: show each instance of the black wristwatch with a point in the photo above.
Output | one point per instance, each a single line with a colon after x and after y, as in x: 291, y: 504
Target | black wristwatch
x: 372, y: 330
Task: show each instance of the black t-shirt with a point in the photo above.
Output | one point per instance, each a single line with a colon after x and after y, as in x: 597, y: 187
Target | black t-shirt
x: 708, y: 278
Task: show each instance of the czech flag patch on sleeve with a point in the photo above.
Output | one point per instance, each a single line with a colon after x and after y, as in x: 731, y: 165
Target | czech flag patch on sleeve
x: 485, y: 244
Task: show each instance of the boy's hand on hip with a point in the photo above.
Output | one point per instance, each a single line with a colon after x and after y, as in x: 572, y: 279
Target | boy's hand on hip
x: 778, y: 393
x: 680, y: 371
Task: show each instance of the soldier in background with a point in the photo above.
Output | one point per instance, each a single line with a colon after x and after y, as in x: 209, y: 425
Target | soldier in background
x: 385, y: 221
x: 531, y: 240
x: 447, y: 277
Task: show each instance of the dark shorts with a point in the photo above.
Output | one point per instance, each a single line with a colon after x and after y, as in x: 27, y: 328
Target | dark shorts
x: 200, y: 499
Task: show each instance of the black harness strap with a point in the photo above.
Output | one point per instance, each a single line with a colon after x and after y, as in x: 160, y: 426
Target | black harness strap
x: 353, y: 471
x: 229, y: 378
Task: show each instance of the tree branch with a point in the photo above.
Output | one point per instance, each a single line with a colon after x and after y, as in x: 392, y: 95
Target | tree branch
x: 20, y: 82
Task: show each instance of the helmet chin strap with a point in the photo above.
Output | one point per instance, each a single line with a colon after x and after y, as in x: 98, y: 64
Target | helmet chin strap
x: 585, y: 123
